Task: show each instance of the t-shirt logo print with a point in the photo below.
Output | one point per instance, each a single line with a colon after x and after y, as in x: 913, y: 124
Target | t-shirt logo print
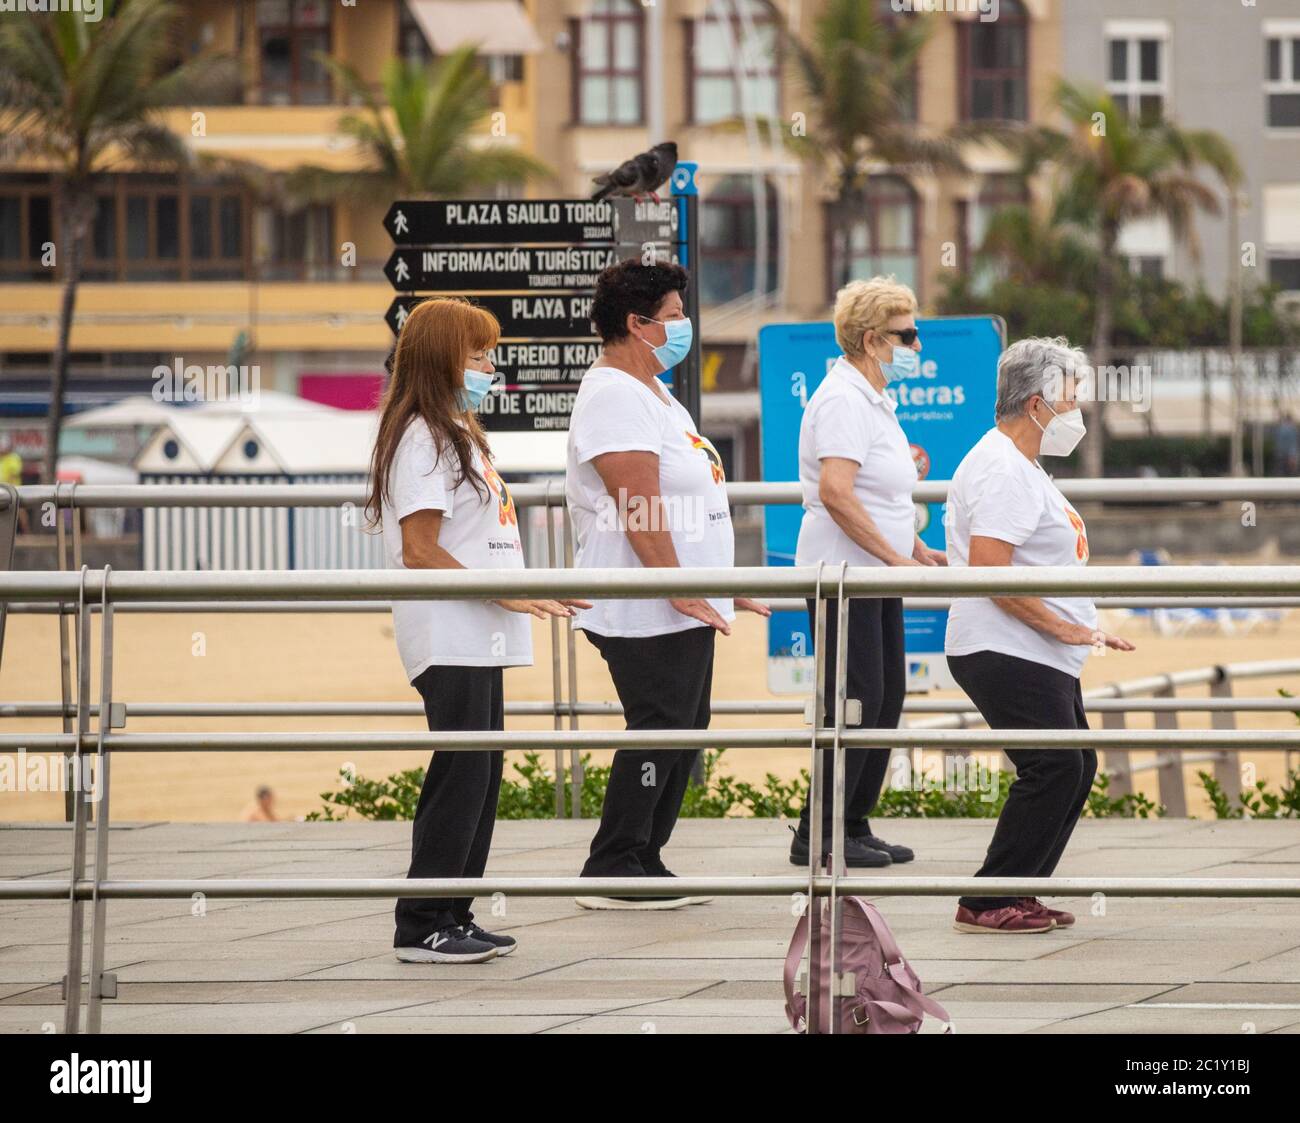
x: 701, y: 444
x: 1081, y: 542
x: 505, y: 504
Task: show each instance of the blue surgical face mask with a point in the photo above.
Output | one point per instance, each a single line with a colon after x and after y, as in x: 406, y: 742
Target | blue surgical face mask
x: 905, y: 364
x: 676, y: 346
x: 477, y: 385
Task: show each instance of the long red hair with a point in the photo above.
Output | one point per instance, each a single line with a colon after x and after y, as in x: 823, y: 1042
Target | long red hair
x: 428, y: 373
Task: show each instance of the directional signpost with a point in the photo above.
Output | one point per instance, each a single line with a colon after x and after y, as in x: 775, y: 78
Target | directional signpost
x: 533, y: 263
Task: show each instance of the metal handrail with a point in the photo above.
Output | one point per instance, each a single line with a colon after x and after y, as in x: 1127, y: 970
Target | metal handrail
x: 776, y: 604
x: 308, y: 888
x: 110, y: 589
x: 860, y: 581
x: 912, y: 704
x: 90, y: 590
x: 905, y: 737
x: 1127, y: 490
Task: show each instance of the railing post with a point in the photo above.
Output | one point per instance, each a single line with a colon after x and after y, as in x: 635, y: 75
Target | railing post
x: 576, y: 778
x: 101, y: 985
x: 1227, y: 768
x: 77, y: 868
x: 555, y: 658
x: 1119, y: 762
x: 814, y: 906
x: 1173, y: 792
x: 65, y: 649
x: 838, y: 864
x: 8, y: 542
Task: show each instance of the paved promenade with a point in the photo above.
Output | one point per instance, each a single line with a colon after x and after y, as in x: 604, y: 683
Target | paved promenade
x: 1146, y: 965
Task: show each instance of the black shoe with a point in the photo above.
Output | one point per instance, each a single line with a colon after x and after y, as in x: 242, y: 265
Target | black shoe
x: 896, y: 853
x: 448, y: 945
x: 664, y: 871
x: 856, y: 855
x: 504, y: 944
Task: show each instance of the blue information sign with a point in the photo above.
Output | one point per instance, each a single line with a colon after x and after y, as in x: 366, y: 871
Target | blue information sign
x: 944, y: 409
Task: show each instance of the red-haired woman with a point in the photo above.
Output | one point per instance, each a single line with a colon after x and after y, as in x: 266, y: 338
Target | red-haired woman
x: 442, y: 505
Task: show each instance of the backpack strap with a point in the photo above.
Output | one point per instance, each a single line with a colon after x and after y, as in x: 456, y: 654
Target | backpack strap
x: 911, y: 998
x: 793, y: 957
x: 884, y: 937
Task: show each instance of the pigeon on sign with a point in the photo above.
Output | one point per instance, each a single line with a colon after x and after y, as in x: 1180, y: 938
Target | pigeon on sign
x: 641, y: 175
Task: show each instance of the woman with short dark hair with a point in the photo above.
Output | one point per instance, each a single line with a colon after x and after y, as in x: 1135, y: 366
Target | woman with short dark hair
x: 646, y: 489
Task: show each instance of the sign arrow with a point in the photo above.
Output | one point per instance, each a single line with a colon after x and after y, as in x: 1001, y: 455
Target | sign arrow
x: 552, y: 316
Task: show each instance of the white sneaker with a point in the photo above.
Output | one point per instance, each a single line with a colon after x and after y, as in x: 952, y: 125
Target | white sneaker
x: 644, y: 904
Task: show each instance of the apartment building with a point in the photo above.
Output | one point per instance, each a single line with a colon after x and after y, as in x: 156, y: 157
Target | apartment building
x: 1233, y: 68
x: 182, y: 265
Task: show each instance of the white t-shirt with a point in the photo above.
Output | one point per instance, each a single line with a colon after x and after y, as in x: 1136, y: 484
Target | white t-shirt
x: 480, y: 533
x: 998, y: 492
x: 847, y: 417
x: 615, y: 412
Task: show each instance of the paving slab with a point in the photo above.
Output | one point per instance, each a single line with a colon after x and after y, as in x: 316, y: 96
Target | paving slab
x: 326, y: 966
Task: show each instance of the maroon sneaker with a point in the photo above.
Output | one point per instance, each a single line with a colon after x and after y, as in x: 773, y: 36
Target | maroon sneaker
x: 1037, y: 908
x: 1014, y: 920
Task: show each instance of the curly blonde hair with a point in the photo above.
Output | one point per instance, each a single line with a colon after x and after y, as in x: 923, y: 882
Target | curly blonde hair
x: 863, y: 306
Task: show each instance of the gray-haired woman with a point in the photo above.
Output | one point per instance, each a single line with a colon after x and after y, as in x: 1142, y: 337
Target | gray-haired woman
x: 1019, y: 658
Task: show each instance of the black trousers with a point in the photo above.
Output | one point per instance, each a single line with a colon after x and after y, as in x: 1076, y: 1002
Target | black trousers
x: 452, y: 832
x: 664, y: 682
x: 877, y: 676
x: 1051, y: 786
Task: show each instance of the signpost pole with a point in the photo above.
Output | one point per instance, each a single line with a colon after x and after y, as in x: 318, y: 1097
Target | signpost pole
x: 686, y: 378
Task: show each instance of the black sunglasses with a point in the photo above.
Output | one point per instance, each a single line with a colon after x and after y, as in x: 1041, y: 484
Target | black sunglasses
x: 906, y: 336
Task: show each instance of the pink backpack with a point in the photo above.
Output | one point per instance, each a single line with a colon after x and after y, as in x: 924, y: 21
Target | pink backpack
x: 886, y: 994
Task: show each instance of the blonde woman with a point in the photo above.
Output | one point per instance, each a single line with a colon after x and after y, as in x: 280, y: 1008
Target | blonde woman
x: 857, y: 474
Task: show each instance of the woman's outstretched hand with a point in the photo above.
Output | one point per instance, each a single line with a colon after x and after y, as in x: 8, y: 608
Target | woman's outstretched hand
x: 542, y: 609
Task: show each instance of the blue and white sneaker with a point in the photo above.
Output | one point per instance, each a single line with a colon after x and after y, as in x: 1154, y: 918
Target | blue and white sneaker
x: 504, y: 944
x: 448, y: 945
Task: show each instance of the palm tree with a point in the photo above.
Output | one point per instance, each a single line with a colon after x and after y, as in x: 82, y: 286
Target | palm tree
x: 84, y: 99
x: 858, y: 72
x: 1030, y: 246
x: 420, y: 138
x: 1112, y: 169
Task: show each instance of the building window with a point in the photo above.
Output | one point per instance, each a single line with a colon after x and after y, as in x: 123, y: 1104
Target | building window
x: 732, y: 65
x: 1147, y: 266
x: 26, y: 227
x: 1282, y: 88
x: 608, y: 63
x: 145, y: 228
x: 974, y: 216
x: 299, y: 243
x: 994, y: 59
x: 1284, y: 272
x: 729, y: 240
x: 412, y: 47
x: 879, y: 236
x: 291, y: 35
x: 159, y: 229
x: 909, y: 83
x: 1137, y: 76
